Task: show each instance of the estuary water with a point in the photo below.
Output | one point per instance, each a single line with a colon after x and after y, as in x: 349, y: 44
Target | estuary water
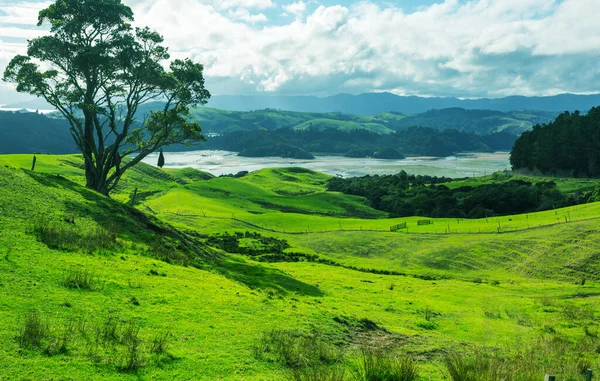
x: 225, y: 162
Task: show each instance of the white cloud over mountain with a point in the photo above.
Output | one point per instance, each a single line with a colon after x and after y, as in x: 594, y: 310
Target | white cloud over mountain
x: 469, y: 49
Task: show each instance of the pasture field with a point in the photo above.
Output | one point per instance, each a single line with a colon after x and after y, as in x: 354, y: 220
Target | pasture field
x: 109, y: 283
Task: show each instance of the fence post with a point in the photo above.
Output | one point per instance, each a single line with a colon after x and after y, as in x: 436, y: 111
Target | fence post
x: 588, y: 375
x: 133, y: 197
x: 550, y: 377
x: 33, y: 164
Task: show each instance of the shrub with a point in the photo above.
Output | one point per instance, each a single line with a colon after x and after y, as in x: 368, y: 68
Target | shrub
x: 428, y: 325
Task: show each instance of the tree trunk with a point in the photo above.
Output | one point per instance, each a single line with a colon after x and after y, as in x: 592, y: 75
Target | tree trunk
x: 93, y: 179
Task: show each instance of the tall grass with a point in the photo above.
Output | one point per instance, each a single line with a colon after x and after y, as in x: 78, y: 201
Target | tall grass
x: 78, y: 279
x: 108, y: 341
x: 375, y: 364
x: 566, y: 359
x: 56, y: 235
x: 34, y: 331
x: 295, y: 349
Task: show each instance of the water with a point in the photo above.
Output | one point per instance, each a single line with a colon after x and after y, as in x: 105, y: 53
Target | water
x: 225, y: 162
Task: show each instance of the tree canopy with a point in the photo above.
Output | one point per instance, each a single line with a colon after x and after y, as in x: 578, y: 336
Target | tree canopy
x: 96, y: 69
x: 568, y: 146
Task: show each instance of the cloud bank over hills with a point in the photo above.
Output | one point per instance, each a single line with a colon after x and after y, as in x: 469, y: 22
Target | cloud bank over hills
x: 470, y: 49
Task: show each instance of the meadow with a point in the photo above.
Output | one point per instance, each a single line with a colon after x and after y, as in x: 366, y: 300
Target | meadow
x: 92, y: 288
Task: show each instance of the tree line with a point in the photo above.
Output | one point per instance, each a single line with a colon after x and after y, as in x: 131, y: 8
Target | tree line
x: 363, y: 143
x: 403, y: 195
x: 569, y: 146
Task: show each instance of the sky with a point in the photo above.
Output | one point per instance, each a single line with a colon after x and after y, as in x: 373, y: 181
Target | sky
x: 460, y: 48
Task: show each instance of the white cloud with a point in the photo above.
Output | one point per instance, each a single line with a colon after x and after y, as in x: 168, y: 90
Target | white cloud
x: 21, y: 12
x: 244, y: 15
x: 259, y: 4
x: 298, y: 8
x: 468, y: 49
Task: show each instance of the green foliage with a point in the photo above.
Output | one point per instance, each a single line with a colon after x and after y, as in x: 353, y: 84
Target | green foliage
x: 361, y: 143
x: 95, y: 69
x: 409, y: 195
x: 568, y: 146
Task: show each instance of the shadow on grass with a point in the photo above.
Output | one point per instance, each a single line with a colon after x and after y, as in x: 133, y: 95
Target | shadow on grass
x: 257, y: 276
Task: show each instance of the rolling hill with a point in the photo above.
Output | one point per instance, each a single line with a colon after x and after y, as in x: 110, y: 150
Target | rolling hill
x: 183, y: 284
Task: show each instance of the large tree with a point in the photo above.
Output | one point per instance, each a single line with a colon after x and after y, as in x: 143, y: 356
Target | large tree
x: 96, y: 69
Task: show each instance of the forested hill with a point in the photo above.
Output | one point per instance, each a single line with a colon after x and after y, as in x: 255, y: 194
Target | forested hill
x: 474, y: 121
x: 278, y: 133
x: 568, y: 146
x: 34, y: 133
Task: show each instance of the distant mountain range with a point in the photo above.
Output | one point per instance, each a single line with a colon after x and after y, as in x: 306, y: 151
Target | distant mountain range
x: 373, y: 103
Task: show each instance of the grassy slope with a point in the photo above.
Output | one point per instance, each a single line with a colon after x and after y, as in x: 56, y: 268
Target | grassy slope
x: 216, y: 314
x: 342, y: 125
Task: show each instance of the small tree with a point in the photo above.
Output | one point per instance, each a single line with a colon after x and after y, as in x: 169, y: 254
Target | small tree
x: 161, y: 159
x: 97, y: 70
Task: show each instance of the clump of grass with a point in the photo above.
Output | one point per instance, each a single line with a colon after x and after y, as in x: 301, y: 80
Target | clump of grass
x: 59, y: 236
x: 428, y: 325
x: 376, y: 364
x: 563, y: 357
x: 133, y: 358
x: 133, y: 300
x: 574, y: 312
x: 61, y: 344
x: 34, y: 332
x: 160, y: 343
x: 78, y: 279
x: 294, y: 349
x: 321, y: 373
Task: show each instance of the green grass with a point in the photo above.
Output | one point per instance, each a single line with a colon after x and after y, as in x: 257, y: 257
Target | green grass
x: 502, y: 292
x: 342, y: 125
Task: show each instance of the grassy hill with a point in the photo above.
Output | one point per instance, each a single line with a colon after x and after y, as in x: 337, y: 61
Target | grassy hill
x: 161, y: 292
x: 478, y: 121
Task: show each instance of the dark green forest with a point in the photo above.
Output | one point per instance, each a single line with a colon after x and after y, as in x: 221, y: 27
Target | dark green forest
x: 403, y: 195
x: 569, y: 146
x: 36, y: 133
x: 363, y: 143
